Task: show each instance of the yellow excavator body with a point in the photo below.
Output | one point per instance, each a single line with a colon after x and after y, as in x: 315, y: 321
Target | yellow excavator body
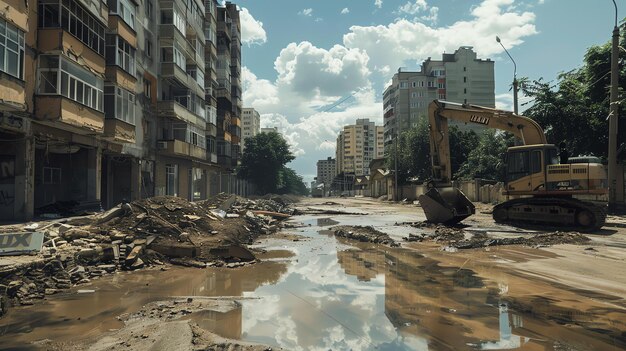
x: 542, y: 190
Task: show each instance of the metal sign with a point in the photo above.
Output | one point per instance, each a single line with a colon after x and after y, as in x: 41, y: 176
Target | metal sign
x: 20, y: 243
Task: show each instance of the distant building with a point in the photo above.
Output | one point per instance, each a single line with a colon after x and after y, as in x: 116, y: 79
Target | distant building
x: 251, y: 121
x: 270, y: 129
x: 326, y: 171
x: 458, y: 77
x: 357, y: 146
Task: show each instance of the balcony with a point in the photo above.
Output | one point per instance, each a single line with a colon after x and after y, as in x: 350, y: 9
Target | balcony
x: 119, y: 131
x: 54, y: 40
x: 171, y: 71
x: 69, y: 115
x: 118, y: 26
x: 120, y: 77
x: 223, y: 29
x: 12, y: 94
x: 178, y: 148
x: 174, y: 110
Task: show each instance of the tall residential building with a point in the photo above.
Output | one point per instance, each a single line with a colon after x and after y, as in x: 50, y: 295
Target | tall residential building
x: 326, y: 171
x: 458, y: 77
x: 229, y: 86
x: 108, y: 101
x: 251, y: 121
x: 357, y: 146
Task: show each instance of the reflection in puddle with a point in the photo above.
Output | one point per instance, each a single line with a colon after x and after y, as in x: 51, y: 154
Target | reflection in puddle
x: 330, y: 296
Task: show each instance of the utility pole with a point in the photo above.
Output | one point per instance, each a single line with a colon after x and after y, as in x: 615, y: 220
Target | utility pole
x: 613, y: 116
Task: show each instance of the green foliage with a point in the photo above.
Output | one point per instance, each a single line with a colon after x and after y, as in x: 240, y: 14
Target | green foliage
x: 461, y: 144
x: 574, y: 109
x: 413, y: 150
x: 486, y: 160
x: 291, y: 183
x: 263, y: 160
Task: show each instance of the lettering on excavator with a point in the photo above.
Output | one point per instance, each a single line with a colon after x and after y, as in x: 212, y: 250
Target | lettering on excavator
x: 479, y: 119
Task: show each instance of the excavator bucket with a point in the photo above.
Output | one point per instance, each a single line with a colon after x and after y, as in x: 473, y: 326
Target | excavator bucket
x: 448, y: 206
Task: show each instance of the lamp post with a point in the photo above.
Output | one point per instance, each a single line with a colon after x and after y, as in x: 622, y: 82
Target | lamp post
x: 613, y: 116
x: 514, y: 75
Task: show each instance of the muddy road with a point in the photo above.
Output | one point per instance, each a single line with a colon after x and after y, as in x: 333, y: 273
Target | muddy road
x: 317, y: 290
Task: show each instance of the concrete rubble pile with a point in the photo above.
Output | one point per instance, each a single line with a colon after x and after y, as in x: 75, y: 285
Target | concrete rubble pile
x: 364, y: 234
x: 143, y: 233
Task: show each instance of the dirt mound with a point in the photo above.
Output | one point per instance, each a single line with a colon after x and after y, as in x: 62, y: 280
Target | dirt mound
x: 364, y: 234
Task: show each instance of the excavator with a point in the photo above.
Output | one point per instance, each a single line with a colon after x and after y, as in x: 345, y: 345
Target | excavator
x: 543, y: 189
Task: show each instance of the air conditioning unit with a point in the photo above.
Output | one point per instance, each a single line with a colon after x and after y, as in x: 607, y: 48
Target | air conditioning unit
x: 161, y: 145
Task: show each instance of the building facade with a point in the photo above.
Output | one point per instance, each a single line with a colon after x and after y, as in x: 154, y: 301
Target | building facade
x: 251, y: 125
x: 460, y: 77
x: 106, y: 101
x: 357, y: 146
x: 326, y: 171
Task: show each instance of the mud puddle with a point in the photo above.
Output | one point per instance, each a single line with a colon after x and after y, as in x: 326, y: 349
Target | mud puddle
x: 339, y: 295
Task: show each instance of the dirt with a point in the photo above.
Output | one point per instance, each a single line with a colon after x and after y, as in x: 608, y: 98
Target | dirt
x: 167, y: 325
x: 364, y: 234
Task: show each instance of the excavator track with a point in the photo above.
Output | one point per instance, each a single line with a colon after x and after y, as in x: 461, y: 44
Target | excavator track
x: 553, y: 211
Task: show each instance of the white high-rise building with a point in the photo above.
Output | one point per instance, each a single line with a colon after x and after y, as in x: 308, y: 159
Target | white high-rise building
x: 251, y: 121
x: 357, y: 146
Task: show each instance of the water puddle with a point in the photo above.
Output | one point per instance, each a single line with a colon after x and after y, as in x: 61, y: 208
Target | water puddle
x: 323, y: 294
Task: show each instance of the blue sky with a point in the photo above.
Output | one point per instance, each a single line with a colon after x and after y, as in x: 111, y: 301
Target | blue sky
x: 300, y: 56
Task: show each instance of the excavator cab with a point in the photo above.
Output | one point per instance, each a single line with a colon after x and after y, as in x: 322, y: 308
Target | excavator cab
x: 446, y: 205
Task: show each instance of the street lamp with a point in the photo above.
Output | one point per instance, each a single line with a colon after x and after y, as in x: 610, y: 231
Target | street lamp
x: 514, y: 75
x: 613, y: 116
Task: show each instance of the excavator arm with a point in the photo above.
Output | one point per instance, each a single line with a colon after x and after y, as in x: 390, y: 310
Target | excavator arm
x: 439, y: 112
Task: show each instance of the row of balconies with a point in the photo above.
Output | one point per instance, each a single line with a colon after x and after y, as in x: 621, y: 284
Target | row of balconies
x: 65, y: 113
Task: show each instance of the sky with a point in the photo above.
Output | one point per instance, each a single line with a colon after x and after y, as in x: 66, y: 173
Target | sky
x: 300, y: 57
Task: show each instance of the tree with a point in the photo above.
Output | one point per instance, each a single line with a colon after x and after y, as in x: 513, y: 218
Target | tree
x: 574, y: 109
x: 461, y: 144
x: 263, y: 160
x: 291, y: 183
x: 413, y: 152
x: 486, y: 160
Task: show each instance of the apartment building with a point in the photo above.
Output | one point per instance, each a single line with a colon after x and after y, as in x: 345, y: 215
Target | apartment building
x: 326, y: 171
x: 251, y: 121
x: 229, y: 86
x: 460, y: 77
x: 105, y: 101
x: 357, y: 146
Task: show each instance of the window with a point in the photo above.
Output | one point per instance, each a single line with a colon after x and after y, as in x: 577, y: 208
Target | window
x: 171, y: 180
x: 535, y: 161
x: 125, y: 9
x: 431, y: 84
x: 59, y: 76
x: 413, y: 84
x: 442, y: 96
x: 422, y: 83
x: 119, y: 104
x: 464, y: 90
x: 441, y: 86
x: 147, y: 88
x: 149, y: 9
x: 413, y: 94
x: 11, y: 50
x: 518, y: 166
x: 71, y: 17
x: 404, y: 85
x: 51, y: 175
x: 148, y: 47
x: 120, y: 53
x: 464, y: 79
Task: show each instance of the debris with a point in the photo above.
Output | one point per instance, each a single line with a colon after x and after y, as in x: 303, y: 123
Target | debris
x: 364, y: 234
x: 85, y: 291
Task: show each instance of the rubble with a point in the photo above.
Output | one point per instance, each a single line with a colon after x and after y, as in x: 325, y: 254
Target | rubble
x: 455, y: 237
x: 140, y: 234
x: 364, y: 234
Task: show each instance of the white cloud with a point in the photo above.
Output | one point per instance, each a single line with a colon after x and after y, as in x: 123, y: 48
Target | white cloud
x: 309, y: 78
x: 378, y: 3
x: 345, y: 11
x: 410, y: 41
x: 504, y: 101
x: 306, y: 12
x: 252, y: 31
x: 413, y: 8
